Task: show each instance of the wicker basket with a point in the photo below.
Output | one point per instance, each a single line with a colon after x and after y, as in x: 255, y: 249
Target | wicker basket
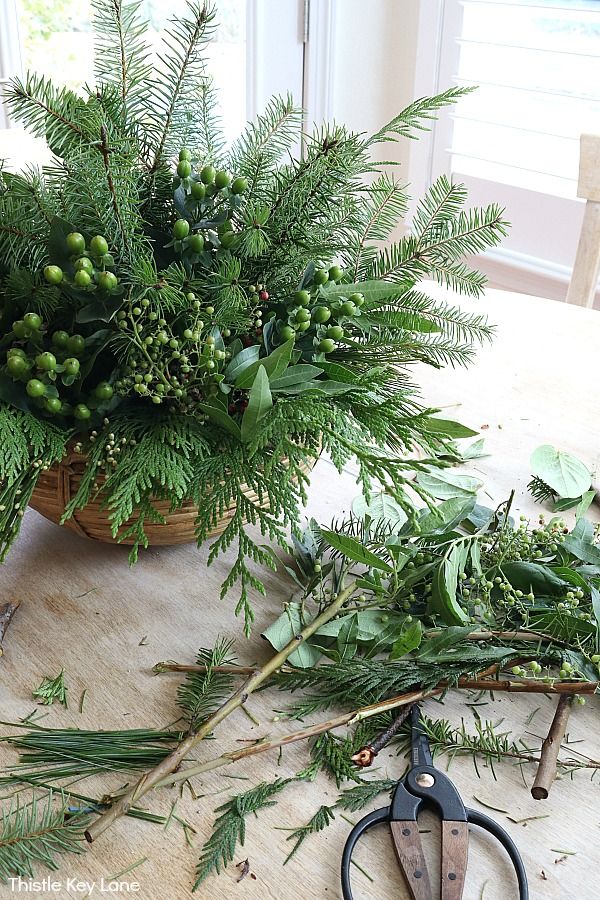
x: 59, y: 484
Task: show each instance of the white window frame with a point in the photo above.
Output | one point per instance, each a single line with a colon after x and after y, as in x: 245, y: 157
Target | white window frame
x: 505, y: 266
x: 10, y: 49
x: 274, y: 51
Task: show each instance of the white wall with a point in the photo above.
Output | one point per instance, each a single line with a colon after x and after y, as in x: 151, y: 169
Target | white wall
x: 374, y: 49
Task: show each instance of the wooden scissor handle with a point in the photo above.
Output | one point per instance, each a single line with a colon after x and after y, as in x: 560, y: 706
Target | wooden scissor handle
x: 409, y: 853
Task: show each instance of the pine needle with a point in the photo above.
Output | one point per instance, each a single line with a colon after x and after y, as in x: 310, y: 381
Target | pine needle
x: 52, y: 689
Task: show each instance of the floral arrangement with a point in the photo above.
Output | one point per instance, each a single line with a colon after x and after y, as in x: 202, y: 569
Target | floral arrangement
x: 196, y: 319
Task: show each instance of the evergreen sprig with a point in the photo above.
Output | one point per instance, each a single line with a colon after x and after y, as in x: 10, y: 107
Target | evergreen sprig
x: 203, y: 692
x: 229, y: 828
x: 37, y: 833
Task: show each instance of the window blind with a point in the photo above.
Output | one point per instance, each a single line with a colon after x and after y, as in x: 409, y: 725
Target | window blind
x: 537, y: 65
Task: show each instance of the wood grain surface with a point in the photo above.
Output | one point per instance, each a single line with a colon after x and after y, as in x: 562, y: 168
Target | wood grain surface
x: 84, y: 609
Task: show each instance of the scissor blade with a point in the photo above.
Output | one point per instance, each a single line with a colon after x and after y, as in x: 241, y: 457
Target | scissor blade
x: 420, y: 752
x: 409, y: 853
x: 455, y: 849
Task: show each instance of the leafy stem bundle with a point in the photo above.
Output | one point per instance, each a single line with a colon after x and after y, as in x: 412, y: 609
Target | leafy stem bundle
x: 195, y: 319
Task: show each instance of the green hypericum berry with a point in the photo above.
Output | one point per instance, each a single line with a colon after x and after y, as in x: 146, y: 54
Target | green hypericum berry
x: 75, y: 243
x: 287, y: 333
x: 76, y: 344
x: 327, y: 345
x: 82, y: 278
x: 357, y: 299
x: 207, y: 175
x: 71, y: 366
x: 32, y: 321
x: 181, y: 229
x: 222, y: 179
x: 184, y: 168
x: 321, y: 314
x: 20, y: 330
x: 81, y: 412
x: 46, y: 361
x: 35, y: 388
x: 227, y: 239
x: 184, y: 153
x: 196, y: 243
x: 53, y: 274
x: 335, y: 273
x: 17, y: 366
x: 210, y: 311
x: 302, y: 298
x: 336, y: 332
x: 107, y: 281
x: 60, y: 339
x: 302, y: 315
x: 301, y: 326
x: 84, y: 264
x: 198, y: 190
x: 53, y: 405
x: 348, y: 308
x: 103, y: 391
x: 321, y: 276
x: 99, y: 245
x: 596, y: 658
x: 239, y: 185
x: 188, y: 334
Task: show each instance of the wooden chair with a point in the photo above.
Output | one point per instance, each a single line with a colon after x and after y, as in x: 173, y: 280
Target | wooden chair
x: 584, y: 280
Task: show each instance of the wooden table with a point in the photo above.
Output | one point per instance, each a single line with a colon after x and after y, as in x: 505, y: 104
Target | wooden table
x: 85, y: 610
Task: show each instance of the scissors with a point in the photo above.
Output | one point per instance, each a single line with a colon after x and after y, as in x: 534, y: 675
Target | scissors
x: 425, y: 786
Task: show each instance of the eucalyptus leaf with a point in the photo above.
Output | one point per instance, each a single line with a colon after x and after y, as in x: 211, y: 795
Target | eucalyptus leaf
x: 284, y: 629
x: 448, y: 485
x: 565, y: 474
x: 529, y: 576
x: 444, y: 585
x: 242, y: 361
x: 381, y: 508
x: 295, y: 375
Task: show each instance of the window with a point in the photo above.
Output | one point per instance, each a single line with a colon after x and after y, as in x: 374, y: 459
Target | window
x: 516, y: 138
x: 257, y: 51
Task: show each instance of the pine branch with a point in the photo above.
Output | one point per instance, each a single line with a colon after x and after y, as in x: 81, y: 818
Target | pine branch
x: 321, y: 819
x: 201, y: 694
x: 121, y: 57
x: 36, y: 834
x: 151, y: 779
x: 229, y: 828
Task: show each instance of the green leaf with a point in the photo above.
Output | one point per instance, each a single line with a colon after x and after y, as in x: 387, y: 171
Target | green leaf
x: 369, y: 623
x: 222, y: 418
x: 287, y: 626
x: 528, y: 576
x: 260, y: 402
x: 274, y: 365
x: 372, y: 291
x: 99, y: 310
x: 584, y: 504
x: 242, y: 361
x: 295, y: 375
x: 595, y: 594
x: 347, y: 637
x: 409, y: 640
x: 354, y: 550
x: 338, y: 372
x: 448, y: 427
x: 565, y: 474
x: 443, y: 588
x: 14, y: 393
x: 381, y: 508
x: 447, y: 515
x: 448, y: 638
x: 447, y: 485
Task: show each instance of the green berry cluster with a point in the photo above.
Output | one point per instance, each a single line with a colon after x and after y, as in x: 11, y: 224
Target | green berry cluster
x: 170, y: 360
x: 318, y: 323
x: 90, y: 268
x: 207, y: 199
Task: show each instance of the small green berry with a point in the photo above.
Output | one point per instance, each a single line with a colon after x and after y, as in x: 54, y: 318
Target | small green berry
x: 99, y: 245
x: 53, y: 274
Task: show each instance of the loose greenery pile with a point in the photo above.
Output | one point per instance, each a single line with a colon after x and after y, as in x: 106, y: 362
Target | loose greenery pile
x: 462, y: 591
x: 196, y: 319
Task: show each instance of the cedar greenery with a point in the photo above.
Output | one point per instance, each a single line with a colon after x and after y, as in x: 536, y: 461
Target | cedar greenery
x: 187, y: 363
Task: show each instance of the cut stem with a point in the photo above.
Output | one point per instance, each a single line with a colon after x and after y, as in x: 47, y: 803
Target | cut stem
x: 150, y: 780
x: 6, y: 616
x: 546, y: 772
